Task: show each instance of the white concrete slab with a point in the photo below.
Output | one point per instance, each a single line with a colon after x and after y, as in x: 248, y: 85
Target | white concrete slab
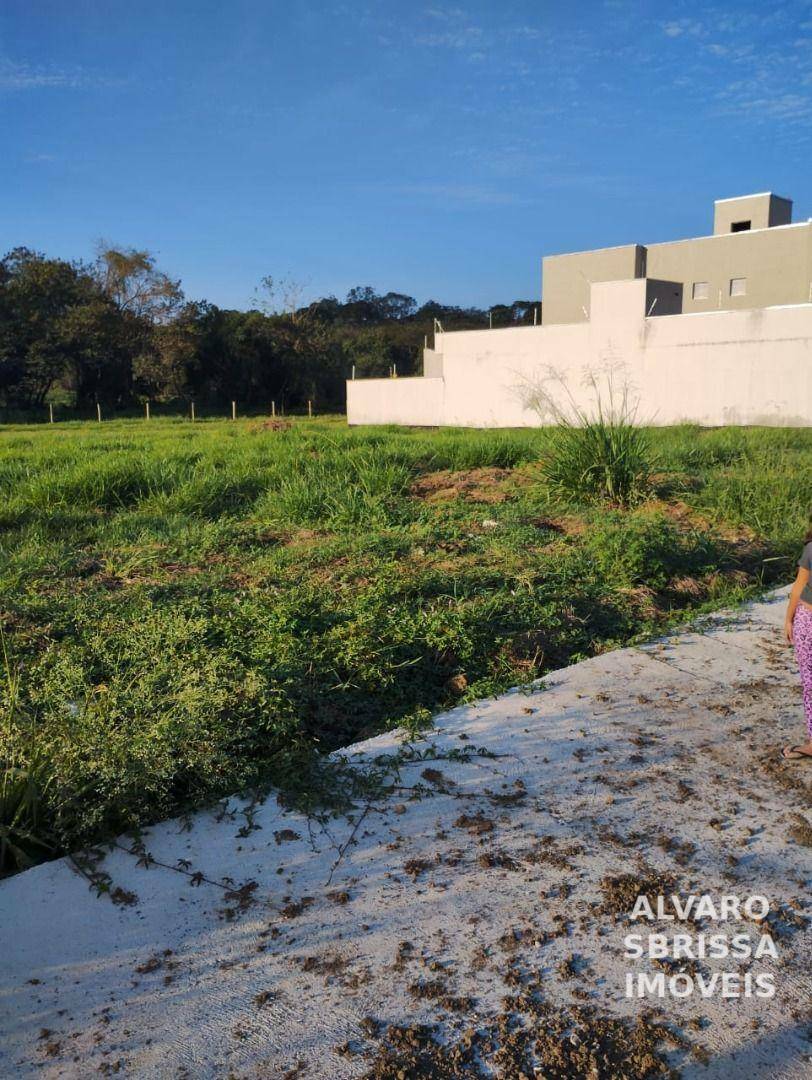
x: 624, y: 759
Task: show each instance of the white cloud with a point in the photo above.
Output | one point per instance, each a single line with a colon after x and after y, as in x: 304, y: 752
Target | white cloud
x: 525, y: 32
x: 734, y: 52
x: 679, y: 27
x: 449, y: 14
x: 23, y: 76
x: 790, y: 107
x: 462, y: 194
x: 755, y: 68
x: 465, y: 38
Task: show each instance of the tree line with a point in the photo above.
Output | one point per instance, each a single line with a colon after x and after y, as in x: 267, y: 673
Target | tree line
x: 117, y: 331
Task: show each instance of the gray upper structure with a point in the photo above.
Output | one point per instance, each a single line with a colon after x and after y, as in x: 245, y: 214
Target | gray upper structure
x: 755, y: 258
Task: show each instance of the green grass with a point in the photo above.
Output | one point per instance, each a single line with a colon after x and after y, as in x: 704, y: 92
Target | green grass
x: 189, y: 610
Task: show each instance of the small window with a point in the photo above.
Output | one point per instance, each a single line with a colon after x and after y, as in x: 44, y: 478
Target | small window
x: 740, y: 226
x: 700, y: 290
x: 738, y: 286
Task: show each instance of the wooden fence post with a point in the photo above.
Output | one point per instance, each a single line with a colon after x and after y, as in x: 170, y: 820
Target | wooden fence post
x: 146, y: 409
x: 273, y: 408
x: 309, y: 408
x: 233, y: 410
x: 98, y: 411
x: 51, y: 413
x: 193, y: 412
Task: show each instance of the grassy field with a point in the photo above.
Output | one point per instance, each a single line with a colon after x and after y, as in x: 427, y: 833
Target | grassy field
x: 192, y: 609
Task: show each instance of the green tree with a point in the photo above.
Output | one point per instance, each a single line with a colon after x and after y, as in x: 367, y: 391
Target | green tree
x: 42, y: 303
x: 133, y: 282
x: 163, y: 369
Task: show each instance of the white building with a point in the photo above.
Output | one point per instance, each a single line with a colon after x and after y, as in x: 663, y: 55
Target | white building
x: 726, y: 339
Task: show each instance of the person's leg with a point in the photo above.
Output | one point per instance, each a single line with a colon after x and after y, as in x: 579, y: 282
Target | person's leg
x: 802, y: 636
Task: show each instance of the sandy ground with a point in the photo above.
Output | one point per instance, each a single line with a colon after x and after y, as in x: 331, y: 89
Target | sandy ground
x: 477, y: 887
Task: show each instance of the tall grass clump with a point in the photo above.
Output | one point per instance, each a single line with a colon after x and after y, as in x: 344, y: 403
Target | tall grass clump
x: 338, y: 487
x: 601, y: 453
x: 24, y: 837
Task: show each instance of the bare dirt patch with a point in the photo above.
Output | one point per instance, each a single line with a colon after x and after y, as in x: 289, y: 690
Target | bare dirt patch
x: 529, y: 1038
x: 307, y: 538
x: 560, y: 525
x: 801, y: 831
x: 270, y: 425
x: 622, y: 890
x: 485, y: 485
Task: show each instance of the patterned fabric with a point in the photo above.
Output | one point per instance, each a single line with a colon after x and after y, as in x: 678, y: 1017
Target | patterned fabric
x: 802, y: 638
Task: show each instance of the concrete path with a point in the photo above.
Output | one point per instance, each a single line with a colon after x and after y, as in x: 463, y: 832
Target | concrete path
x: 481, y: 879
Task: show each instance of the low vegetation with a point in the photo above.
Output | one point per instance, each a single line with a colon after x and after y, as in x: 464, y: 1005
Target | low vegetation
x: 190, y: 610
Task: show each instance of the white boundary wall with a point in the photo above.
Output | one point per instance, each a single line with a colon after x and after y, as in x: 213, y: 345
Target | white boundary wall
x: 410, y: 401
x: 722, y: 367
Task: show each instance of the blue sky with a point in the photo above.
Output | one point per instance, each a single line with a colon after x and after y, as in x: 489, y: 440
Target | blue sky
x: 433, y: 149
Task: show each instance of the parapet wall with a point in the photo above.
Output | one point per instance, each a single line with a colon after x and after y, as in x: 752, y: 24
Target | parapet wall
x: 415, y: 402
x: 722, y: 367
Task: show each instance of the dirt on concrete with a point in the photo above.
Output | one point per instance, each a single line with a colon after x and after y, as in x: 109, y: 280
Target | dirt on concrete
x: 469, y: 922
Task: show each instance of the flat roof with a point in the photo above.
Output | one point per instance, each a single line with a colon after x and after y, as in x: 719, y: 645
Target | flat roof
x: 685, y: 239
x: 584, y: 251
x: 756, y: 195
x: 722, y: 236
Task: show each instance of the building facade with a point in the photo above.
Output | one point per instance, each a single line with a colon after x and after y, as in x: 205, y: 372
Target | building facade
x: 714, y: 330
x: 755, y: 258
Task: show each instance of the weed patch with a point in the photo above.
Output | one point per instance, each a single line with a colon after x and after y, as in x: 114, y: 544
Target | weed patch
x: 194, y: 611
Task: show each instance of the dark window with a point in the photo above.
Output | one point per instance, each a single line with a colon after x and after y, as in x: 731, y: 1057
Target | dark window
x: 740, y: 226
